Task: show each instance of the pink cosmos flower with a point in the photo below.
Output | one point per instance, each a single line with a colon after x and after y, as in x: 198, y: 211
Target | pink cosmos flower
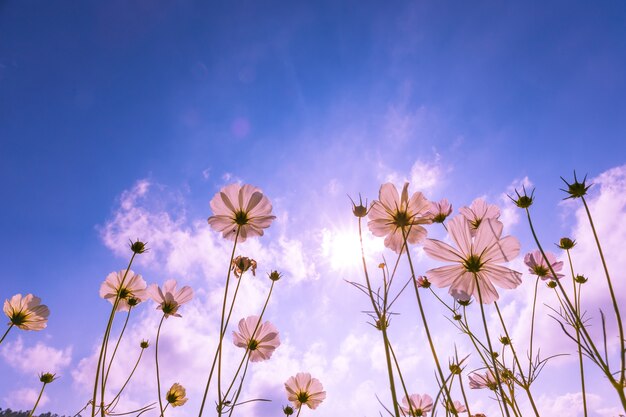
x: 133, y: 290
x: 480, y: 381
x: 304, y: 390
x: 393, y: 214
x: 440, y: 210
x: 240, y: 207
x: 478, y: 211
x: 27, y: 312
x: 537, y: 265
x: 261, y: 343
x: 455, y: 406
x: 419, y: 405
x: 169, y: 298
x: 478, y: 255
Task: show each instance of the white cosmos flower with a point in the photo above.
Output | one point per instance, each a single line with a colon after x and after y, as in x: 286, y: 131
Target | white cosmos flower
x: 261, y: 343
x: 394, y: 214
x: 168, y: 298
x: 244, y: 207
x: 479, y: 255
x: 27, y: 312
x: 304, y: 390
x: 417, y: 405
x: 478, y: 211
x: 133, y: 289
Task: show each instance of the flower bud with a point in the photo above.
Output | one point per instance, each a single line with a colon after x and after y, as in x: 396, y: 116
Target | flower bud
x: 457, y: 317
x: 566, y: 243
x: 455, y: 369
x: 144, y: 344
x: 138, y: 246
x: 275, y: 275
x: 576, y: 189
x: 423, y: 282
x: 581, y: 279
x: 288, y: 410
x: 47, y: 377
x: 359, y: 210
x: 523, y: 200
x: 505, y: 340
x: 465, y: 303
x: 551, y: 284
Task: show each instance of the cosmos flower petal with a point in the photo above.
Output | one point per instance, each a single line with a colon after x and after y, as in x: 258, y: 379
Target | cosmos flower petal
x: 441, y: 251
x: 444, y: 276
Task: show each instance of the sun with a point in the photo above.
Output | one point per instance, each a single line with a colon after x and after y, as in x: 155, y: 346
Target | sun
x: 342, y: 250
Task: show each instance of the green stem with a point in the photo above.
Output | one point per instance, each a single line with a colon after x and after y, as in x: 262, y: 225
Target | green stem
x: 243, y: 376
x: 493, y: 361
x: 37, y: 402
x: 618, y: 316
x: 426, y: 329
x: 105, y: 341
x: 218, y: 351
x: 156, y: 358
x: 7, y: 332
x: 117, y: 345
x: 532, y: 330
x: 127, y: 381
x: 525, y: 383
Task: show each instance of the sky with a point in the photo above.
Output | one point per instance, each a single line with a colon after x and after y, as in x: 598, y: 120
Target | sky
x: 120, y: 120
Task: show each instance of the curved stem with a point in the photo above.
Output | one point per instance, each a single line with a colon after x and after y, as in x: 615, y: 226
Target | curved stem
x: 127, y: 380
x: 618, y: 316
x: 7, y: 332
x: 493, y: 361
x: 218, y: 351
x: 243, y: 376
x: 156, y: 358
x: 532, y: 330
x: 105, y: 341
x: 426, y: 329
x: 117, y: 345
x: 37, y: 402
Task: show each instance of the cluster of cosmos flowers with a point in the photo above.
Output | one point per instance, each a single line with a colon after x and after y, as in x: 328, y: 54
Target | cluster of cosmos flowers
x: 475, y: 257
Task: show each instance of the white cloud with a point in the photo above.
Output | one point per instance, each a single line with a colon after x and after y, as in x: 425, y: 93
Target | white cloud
x: 24, y: 399
x: 35, y: 359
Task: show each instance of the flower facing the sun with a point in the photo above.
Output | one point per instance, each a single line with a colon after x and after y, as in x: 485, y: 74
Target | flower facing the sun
x: 304, y: 390
x: 417, y: 405
x: 475, y: 259
x: 130, y: 287
x: 26, y: 312
x: 396, y: 216
x: 537, y: 265
x: 168, y: 298
x: 240, y: 212
x: 478, y: 211
x: 261, y: 339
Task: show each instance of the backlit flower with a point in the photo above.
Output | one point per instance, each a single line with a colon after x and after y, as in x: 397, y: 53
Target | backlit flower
x: 417, y: 405
x: 262, y: 343
x: 455, y: 406
x: 133, y: 289
x: 537, y: 265
x: 440, y: 210
x: 474, y: 256
x: 304, y: 390
x: 478, y: 211
x: 240, y: 207
x: 27, y: 312
x: 480, y: 381
x: 176, y: 395
x: 393, y: 215
x: 169, y: 298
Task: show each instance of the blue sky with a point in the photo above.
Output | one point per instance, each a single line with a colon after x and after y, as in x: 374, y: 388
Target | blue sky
x: 310, y: 102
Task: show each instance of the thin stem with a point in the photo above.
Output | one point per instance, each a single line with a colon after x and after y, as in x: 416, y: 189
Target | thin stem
x: 493, y: 360
x: 105, y: 341
x: 525, y: 383
x: 7, y: 332
x: 156, y: 359
x: 218, y: 351
x: 532, y: 329
x: 426, y: 329
x: 618, y: 316
x: 117, y: 345
x: 243, y: 376
x: 38, y: 398
x: 128, y: 379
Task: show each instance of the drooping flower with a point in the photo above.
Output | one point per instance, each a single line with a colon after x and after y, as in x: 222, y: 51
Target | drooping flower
x: 262, y: 343
x: 304, y: 390
x: 240, y: 207
x: 27, y: 312
x: 176, y: 395
x: 393, y: 215
x: 242, y: 264
x: 478, y: 211
x: 480, y: 381
x: 478, y: 256
x: 417, y: 405
x: 537, y: 265
x: 455, y: 406
x: 131, y: 291
x: 168, y: 298
x: 440, y: 210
